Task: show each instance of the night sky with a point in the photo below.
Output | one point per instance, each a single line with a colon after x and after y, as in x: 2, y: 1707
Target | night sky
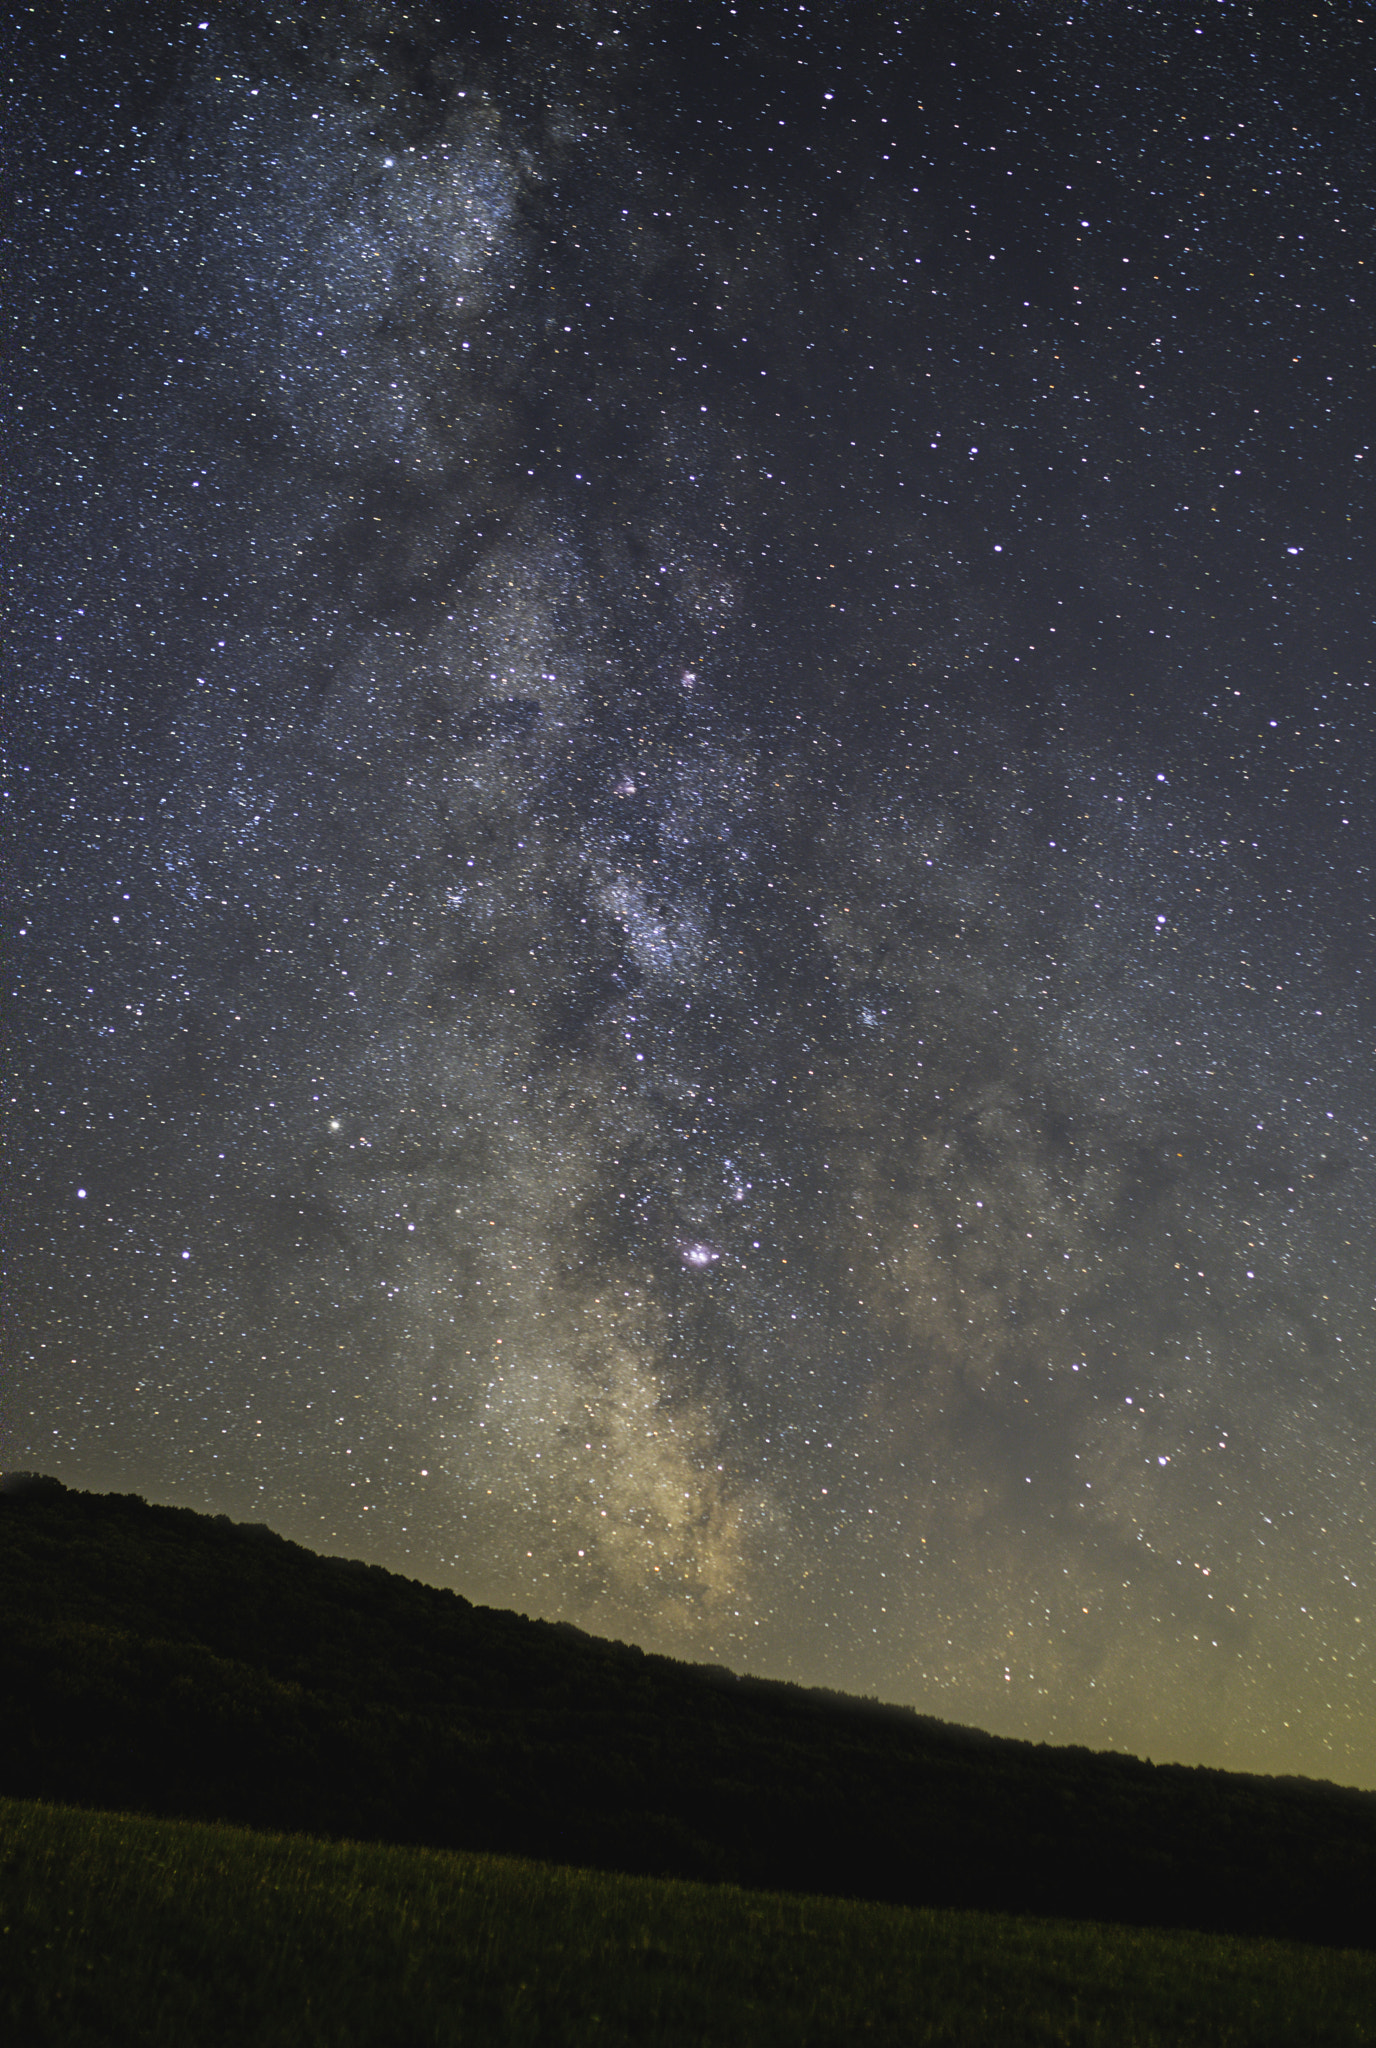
x: 690, y: 762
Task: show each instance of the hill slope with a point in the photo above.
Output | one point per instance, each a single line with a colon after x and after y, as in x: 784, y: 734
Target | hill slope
x: 165, y: 1661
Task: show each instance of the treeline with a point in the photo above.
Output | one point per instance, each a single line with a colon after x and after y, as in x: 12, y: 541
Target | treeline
x: 167, y: 1662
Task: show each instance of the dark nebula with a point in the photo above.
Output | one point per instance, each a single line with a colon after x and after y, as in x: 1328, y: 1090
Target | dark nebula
x: 690, y: 764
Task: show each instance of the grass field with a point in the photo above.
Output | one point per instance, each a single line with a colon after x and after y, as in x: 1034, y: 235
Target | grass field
x: 118, y: 1929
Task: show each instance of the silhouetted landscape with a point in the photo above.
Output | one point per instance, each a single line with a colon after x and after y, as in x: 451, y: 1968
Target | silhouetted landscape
x: 167, y: 1662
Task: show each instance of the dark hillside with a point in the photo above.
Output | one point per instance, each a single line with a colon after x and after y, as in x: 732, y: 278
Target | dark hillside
x: 160, y: 1660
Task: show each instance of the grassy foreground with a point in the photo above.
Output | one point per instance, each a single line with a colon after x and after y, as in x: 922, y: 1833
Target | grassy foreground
x: 119, y: 1929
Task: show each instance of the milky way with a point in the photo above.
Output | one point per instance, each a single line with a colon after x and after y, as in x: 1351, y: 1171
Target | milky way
x: 693, y: 777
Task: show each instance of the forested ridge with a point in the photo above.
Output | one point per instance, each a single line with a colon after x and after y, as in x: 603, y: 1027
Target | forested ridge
x: 163, y: 1661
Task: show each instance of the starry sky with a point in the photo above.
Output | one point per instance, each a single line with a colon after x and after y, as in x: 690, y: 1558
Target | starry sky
x: 691, y: 759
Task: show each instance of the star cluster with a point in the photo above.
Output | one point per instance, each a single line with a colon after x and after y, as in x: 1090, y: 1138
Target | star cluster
x: 692, y: 755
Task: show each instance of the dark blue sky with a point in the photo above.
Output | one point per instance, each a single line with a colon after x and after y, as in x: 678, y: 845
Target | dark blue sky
x: 691, y: 752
